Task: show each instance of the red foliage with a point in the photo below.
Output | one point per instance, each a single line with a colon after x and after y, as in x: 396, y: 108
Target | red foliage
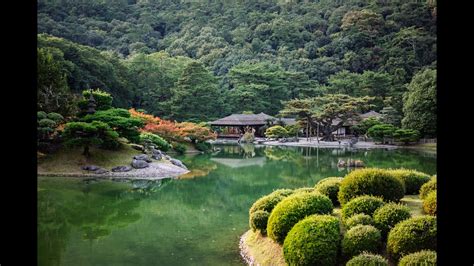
x: 172, y: 131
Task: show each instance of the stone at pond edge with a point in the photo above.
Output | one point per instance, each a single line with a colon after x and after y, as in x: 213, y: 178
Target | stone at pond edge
x: 178, y: 163
x: 139, y: 164
x: 122, y: 168
x: 137, y: 147
x: 101, y: 171
x: 142, y: 157
x: 90, y: 168
x: 156, y: 156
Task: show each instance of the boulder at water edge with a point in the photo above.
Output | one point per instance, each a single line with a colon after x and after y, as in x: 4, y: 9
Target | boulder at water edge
x: 142, y: 157
x: 139, y: 164
x: 122, y: 168
x: 178, y: 163
x: 91, y: 168
x: 101, y: 171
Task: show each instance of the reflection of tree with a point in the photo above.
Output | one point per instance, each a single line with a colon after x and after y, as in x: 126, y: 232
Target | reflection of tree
x: 199, y: 165
x: 282, y: 154
x: 94, y: 211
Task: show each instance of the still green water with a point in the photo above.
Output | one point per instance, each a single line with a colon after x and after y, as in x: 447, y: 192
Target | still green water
x: 193, y: 220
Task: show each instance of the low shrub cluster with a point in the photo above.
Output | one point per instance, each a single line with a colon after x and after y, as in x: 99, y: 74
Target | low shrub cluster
x: 361, y: 238
x: 313, y: 241
x: 265, y: 204
x: 370, y: 181
x: 413, y: 180
x: 387, y: 216
x: 330, y: 187
x: 180, y: 148
x: 294, y: 208
x: 428, y: 187
x: 359, y: 219
x: 411, y: 235
x: 367, y: 259
x: 363, y: 204
x: 424, y: 257
x: 429, y: 203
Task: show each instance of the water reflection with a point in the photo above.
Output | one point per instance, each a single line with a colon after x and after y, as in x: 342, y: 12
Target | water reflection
x: 194, y: 220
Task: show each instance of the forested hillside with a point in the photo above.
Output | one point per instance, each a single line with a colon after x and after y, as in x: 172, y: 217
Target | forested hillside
x: 200, y: 60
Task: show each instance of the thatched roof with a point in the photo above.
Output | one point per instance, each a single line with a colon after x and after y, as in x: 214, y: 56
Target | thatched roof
x: 243, y: 120
x: 288, y: 121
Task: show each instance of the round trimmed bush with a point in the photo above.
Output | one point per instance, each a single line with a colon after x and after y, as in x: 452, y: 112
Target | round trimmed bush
x: 55, y: 117
x: 370, y: 181
x: 156, y: 140
x: 413, y: 180
x: 359, y: 219
x: 412, y: 235
x: 361, y: 238
x: 330, y: 187
x: 294, y: 208
x: 313, y: 241
x: 41, y: 115
x: 268, y: 202
x: 367, y: 259
x: 258, y: 221
x: 429, y: 203
x: 363, y: 204
x: 424, y: 257
x: 428, y: 187
x: 387, y: 216
x: 304, y: 189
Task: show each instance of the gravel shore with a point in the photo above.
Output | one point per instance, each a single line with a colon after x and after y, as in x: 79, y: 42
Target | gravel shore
x: 155, y: 171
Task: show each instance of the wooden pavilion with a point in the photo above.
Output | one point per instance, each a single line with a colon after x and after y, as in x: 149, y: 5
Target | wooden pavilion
x: 233, y: 126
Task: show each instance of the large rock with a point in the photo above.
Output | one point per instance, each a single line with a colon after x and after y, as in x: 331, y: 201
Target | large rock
x: 137, y: 147
x: 139, y: 164
x: 91, y: 168
x: 122, y: 168
x: 142, y: 157
x: 178, y: 163
x: 156, y: 156
x: 101, y: 171
x: 167, y: 157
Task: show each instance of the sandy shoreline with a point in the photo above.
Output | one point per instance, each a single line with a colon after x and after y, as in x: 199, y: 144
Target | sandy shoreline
x: 155, y: 171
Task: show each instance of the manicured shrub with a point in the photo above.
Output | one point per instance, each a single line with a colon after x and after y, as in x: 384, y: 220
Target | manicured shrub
x: 370, y: 181
x: 47, y: 123
x: 55, y: 117
x: 413, y: 180
x: 359, y: 219
x: 412, y: 235
x: 330, y: 187
x: 304, y: 189
x: 361, y: 238
x: 428, y: 187
x: 429, y: 203
x: 180, y: 148
x: 41, y: 115
x: 313, y: 241
x: 367, y: 259
x: 276, y: 132
x: 424, y: 257
x: 364, y: 204
x: 156, y: 140
x: 268, y: 202
x: 294, y: 208
x: 258, y: 221
x: 387, y: 216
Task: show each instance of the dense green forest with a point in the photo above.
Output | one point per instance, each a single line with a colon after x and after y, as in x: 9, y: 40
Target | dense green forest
x: 200, y: 60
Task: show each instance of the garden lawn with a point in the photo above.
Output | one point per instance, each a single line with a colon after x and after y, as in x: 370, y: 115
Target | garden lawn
x: 70, y: 160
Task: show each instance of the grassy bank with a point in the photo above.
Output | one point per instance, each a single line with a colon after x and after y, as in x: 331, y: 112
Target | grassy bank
x: 261, y: 250
x: 70, y: 160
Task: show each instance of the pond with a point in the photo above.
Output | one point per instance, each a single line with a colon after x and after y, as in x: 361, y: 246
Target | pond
x: 194, y: 220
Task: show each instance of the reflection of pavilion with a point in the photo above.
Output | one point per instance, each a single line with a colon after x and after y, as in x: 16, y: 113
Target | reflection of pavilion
x: 236, y: 163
